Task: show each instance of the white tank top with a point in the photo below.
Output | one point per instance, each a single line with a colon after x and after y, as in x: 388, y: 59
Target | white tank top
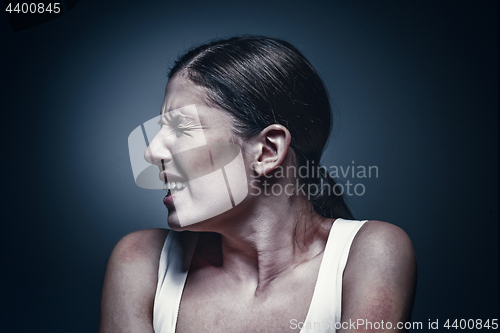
x: 326, y: 305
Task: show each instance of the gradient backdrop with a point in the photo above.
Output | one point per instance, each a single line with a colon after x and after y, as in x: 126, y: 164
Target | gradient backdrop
x: 416, y: 93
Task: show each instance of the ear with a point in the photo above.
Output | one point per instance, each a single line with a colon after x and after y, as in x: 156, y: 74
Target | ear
x: 270, y: 148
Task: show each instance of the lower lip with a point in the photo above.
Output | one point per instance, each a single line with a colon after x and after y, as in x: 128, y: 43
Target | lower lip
x: 168, y: 200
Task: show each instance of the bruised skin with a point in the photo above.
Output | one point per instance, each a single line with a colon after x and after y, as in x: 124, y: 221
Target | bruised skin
x: 130, y: 283
x: 380, y: 276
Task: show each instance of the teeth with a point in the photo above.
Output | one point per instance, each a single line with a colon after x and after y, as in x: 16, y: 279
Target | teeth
x: 174, y: 186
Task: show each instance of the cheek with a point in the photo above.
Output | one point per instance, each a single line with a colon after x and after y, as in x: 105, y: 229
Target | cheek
x: 190, y: 155
x: 194, y: 163
x: 215, y: 192
x: 185, y: 142
x: 201, y: 161
x: 201, y: 153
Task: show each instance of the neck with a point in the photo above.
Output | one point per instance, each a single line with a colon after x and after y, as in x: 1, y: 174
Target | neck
x: 277, y: 234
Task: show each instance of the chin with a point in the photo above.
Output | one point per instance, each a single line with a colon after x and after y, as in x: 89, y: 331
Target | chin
x: 211, y: 224
x: 174, y: 224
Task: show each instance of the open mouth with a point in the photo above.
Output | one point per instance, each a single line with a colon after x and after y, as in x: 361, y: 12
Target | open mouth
x: 174, y: 187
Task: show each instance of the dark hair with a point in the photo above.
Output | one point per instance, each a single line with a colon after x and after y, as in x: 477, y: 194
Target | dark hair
x: 263, y: 81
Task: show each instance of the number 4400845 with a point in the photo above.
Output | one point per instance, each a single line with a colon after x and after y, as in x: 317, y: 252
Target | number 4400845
x: 471, y: 324
x: 34, y: 8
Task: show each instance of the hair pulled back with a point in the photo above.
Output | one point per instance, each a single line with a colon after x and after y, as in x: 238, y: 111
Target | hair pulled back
x: 262, y: 81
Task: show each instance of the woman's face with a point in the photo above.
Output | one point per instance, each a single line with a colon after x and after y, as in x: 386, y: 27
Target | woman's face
x: 201, y: 166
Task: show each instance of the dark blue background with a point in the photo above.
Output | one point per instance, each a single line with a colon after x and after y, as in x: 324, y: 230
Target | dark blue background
x: 416, y: 93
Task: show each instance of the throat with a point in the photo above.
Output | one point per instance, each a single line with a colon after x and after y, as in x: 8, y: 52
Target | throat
x: 208, y: 251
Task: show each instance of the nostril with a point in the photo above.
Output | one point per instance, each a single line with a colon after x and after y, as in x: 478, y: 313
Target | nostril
x: 158, y: 153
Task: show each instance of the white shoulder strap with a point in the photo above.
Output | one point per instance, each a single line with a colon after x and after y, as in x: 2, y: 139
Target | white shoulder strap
x: 174, y: 264
x: 326, y: 305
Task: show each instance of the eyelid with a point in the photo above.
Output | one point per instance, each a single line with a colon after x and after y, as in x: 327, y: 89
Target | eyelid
x: 181, y: 121
x: 170, y: 117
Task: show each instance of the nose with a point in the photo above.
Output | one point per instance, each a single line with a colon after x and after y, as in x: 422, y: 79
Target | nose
x: 158, y: 152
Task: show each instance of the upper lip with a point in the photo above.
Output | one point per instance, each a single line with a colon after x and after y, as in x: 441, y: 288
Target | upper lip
x: 168, y: 177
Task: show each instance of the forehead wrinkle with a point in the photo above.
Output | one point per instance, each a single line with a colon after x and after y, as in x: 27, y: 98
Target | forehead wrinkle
x: 182, y: 111
x: 188, y: 114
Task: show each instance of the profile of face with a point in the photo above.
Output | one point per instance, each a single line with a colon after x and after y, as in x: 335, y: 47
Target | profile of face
x: 199, y: 165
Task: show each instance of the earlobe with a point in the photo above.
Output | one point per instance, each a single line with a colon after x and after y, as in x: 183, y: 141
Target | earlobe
x: 272, y: 145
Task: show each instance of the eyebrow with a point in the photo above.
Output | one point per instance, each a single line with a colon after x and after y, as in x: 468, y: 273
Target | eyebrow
x: 162, y: 111
x: 196, y: 117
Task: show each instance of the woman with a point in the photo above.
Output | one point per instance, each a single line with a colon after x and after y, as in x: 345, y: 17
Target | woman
x: 283, y: 254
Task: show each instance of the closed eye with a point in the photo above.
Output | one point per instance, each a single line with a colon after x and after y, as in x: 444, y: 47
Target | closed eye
x: 177, y: 123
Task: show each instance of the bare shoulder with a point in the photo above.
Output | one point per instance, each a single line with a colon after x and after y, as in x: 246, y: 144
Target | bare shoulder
x: 130, y: 282
x: 382, y: 249
x: 139, y: 246
x: 381, y: 241
x: 380, y: 275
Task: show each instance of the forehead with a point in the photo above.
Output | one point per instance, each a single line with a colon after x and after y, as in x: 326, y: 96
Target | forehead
x: 181, y: 92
